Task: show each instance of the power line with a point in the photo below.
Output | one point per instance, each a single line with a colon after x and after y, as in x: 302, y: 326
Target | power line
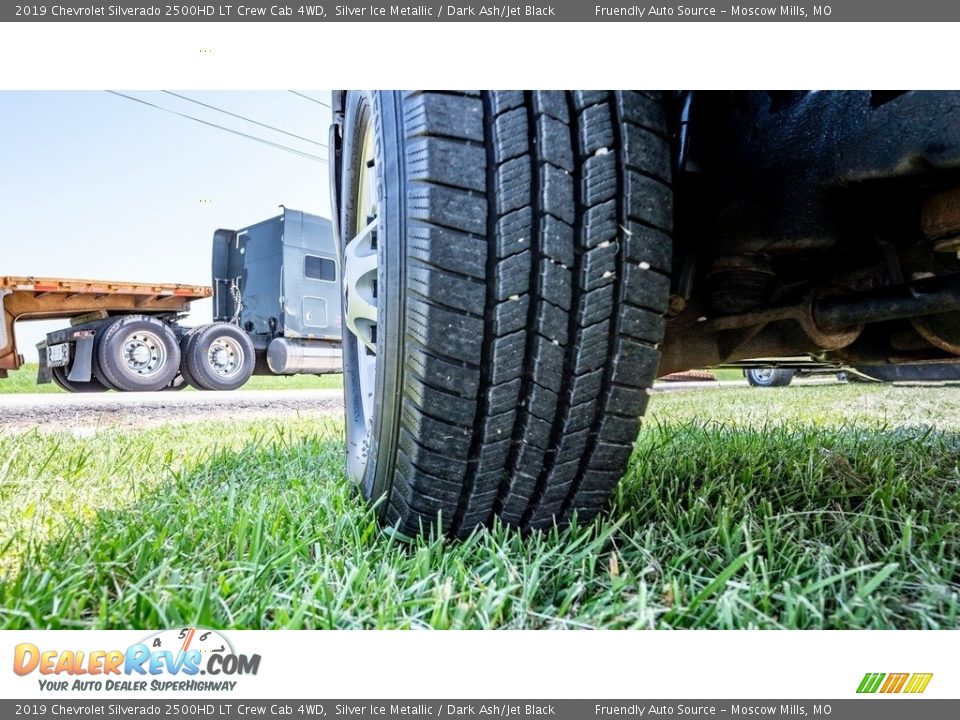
x: 241, y: 117
x: 311, y: 99
x: 278, y: 146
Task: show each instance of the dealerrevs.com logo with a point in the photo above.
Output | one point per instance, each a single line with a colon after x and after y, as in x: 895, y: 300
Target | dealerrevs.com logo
x: 169, y: 660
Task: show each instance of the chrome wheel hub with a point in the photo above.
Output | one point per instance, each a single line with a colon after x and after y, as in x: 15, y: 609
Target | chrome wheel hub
x: 144, y: 353
x: 225, y: 357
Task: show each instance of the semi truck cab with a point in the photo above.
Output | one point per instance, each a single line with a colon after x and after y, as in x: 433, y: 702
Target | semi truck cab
x: 279, y: 280
x: 276, y: 310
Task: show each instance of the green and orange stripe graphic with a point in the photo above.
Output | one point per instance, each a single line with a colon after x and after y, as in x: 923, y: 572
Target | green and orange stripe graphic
x: 894, y: 682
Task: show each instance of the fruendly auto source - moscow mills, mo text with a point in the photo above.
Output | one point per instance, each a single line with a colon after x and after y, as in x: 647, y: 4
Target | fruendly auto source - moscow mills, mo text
x: 400, y: 11
x: 699, y: 11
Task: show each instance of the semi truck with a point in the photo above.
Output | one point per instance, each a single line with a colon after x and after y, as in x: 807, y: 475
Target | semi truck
x: 275, y: 287
x: 519, y: 267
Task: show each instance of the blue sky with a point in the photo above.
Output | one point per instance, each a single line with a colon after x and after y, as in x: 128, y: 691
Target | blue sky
x: 96, y: 186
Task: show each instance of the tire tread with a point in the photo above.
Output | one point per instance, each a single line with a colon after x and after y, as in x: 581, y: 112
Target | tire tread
x: 538, y: 275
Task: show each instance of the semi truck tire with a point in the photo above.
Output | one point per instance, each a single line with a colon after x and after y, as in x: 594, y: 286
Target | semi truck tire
x: 137, y: 353
x: 184, y: 369
x: 95, y: 371
x: 769, y: 377
x: 505, y: 262
x: 59, y: 375
x: 219, y: 356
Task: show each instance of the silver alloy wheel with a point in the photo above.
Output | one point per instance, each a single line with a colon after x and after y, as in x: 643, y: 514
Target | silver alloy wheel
x: 361, y: 267
x: 763, y: 373
x: 225, y: 357
x: 144, y: 353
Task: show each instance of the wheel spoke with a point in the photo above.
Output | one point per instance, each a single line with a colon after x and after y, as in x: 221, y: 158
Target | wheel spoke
x: 360, y: 286
x: 361, y: 292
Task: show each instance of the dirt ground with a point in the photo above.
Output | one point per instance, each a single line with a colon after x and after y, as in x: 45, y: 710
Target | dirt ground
x: 87, y: 414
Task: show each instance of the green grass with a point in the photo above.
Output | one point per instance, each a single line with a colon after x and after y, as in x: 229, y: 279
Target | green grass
x: 804, y: 507
x: 24, y: 380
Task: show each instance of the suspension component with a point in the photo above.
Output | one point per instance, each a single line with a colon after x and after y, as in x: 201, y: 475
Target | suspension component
x: 926, y: 296
x: 941, y: 221
x: 740, y: 283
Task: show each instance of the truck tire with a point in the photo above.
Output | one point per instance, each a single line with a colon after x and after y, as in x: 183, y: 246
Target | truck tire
x: 184, y: 370
x: 219, y: 356
x: 95, y: 371
x: 59, y: 375
x: 769, y: 377
x: 505, y: 262
x: 137, y: 353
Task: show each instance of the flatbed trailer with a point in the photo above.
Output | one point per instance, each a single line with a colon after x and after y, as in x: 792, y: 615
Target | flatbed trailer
x: 82, y: 301
x: 276, y: 311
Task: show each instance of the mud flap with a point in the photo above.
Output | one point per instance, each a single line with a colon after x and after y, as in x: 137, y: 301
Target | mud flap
x: 81, y: 370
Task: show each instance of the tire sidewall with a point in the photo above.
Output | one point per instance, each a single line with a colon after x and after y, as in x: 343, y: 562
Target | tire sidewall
x: 184, y: 354
x: 757, y: 380
x: 371, y: 460
x: 777, y: 378
x: 95, y: 372
x: 59, y: 377
x: 198, y: 371
x: 112, y: 371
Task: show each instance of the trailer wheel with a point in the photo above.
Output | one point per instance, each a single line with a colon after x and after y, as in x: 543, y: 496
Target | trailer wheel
x: 136, y: 353
x: 219, y: 356
x: 59, y: 375
x: 769, y: 377
x: 505, y: 260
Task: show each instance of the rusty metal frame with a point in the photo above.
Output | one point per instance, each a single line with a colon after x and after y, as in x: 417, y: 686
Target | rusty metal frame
x: 32, y: 298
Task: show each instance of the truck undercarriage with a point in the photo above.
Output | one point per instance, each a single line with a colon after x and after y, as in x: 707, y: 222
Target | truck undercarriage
x: 824, y: 223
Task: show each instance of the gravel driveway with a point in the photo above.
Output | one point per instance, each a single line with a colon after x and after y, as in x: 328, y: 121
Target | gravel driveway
x: 87, y: 413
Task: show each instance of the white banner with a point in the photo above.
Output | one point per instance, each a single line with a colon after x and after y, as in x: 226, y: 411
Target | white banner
x: 463, y: 664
